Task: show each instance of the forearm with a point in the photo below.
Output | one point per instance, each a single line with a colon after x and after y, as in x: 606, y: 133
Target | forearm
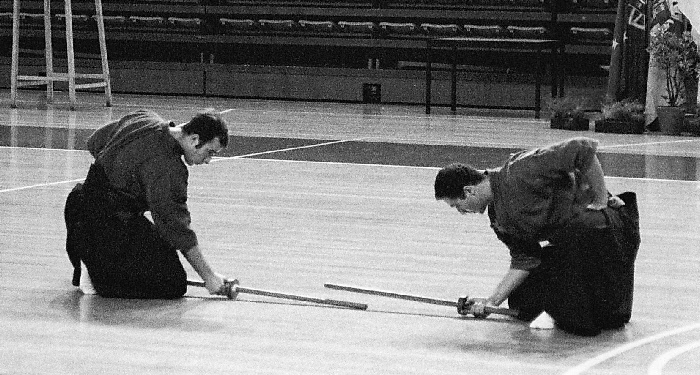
x: 596, y: 181
x: 512, y: 279
x: 196, y: 259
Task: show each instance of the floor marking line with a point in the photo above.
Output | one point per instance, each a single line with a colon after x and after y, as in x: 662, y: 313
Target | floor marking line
x: 43, y: 148
x: 40, y: 185
x: 437, y: 168
x: 587, y: 365
x: 288, y: 149
x: 648, y: 143
x: 658, y: 365
x: 345, y: 163
x: 248, y: 156
x: 313, y: 162
x: 653, y: 179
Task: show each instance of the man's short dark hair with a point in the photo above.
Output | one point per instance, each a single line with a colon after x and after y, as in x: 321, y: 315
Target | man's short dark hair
x: 208, y: 125
x: 451, y: 180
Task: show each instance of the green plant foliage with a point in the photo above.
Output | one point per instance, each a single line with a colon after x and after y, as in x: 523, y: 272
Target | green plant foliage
x: 567, y: 107
x: 625, y: 110
x: 678, y: 55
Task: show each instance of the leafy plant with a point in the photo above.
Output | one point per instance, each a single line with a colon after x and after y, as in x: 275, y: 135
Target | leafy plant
x: 678, y: 55
x: 567, y: 107
x: 625, y: 110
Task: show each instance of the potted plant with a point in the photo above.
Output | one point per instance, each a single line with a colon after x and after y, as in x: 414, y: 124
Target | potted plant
x: 677, y: 55
x: 568, y: 113
x: 692, y: 121
x: 623, y: 117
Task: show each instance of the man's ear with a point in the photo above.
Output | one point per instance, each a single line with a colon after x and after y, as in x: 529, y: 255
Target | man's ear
x: 468, y: 190
x: 193, y: 139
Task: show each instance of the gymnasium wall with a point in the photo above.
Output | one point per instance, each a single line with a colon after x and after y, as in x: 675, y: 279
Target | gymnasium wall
x: 321, y: 49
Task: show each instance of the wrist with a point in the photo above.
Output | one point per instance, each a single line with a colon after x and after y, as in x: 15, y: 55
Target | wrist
x: 209, y: 275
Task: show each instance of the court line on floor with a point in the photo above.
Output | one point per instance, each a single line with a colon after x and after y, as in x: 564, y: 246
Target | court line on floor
x: 345, y: 163
x: 249, y: 157
x: 287, y: 149
x: 657, y: 366
x: 214, y: 160
x: 315, y: 162
x: 40, y: 185
x: 648, y: 143
x: 44, y: 148
x: 434, y: 168
x: 587, y: 365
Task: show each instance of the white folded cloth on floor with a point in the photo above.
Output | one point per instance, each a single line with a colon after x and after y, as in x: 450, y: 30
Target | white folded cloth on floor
x: 543, y: 321
x: 85, y: 283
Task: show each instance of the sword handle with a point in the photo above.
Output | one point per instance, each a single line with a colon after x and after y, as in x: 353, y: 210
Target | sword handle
x: 464, y: 308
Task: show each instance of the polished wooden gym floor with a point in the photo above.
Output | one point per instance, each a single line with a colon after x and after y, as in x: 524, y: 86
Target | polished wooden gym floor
x: 310, y: 193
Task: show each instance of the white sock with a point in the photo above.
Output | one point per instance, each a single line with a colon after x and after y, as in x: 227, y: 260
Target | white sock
x: 85, y: 282
x: 543, y: 321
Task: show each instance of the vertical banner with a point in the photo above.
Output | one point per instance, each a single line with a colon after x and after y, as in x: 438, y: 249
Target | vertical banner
x: 614, y: 74
x: 636, y: 57
x: 629, y: 59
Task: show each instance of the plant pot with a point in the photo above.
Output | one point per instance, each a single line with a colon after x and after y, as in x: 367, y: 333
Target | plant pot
x: 692, y: 125
x: 619, y: 126
x: 569, y: 123
x: 670, y: 119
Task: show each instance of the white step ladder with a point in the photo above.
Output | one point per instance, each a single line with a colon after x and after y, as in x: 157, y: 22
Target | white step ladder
x: 99, y: 80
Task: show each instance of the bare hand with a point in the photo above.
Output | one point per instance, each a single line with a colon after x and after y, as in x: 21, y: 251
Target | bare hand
x: 597, y: 206
x: 216, y: 284
x: 478, y: 307
x: 615, y: 202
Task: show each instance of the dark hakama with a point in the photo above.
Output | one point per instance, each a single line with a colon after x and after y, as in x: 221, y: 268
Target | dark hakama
x: 121, y: 248
x: 584, y: 276
x: 138, y: 168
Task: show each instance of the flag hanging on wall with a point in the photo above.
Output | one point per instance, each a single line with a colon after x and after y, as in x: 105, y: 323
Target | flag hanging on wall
x: 629, y: 59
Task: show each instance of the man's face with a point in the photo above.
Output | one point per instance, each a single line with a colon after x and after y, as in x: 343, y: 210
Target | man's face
x: 197, y: 153
x: 471, y: 203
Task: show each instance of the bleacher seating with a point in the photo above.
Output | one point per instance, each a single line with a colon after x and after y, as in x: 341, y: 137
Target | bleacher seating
x: 394, y: 30
x: 285, y: 20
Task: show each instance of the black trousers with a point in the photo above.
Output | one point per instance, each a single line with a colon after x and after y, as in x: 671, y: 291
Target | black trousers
x: 123, y: 252
x: 586, y: 279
